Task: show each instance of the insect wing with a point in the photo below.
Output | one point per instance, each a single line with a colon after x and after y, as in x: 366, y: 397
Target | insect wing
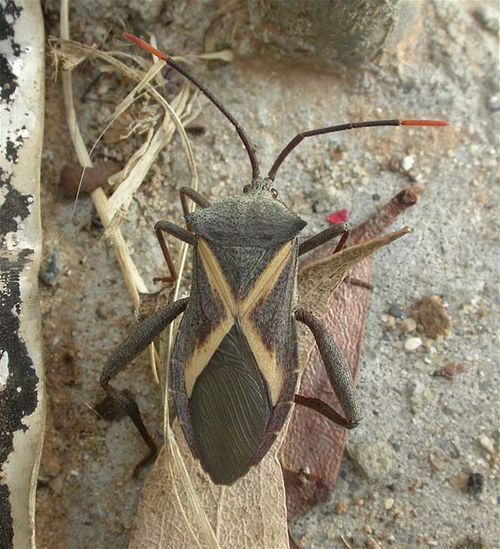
x: 229, y: 409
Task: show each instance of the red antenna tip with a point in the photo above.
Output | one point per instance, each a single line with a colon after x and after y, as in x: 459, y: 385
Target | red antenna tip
x: 144, y: 45
x: 423, y: 123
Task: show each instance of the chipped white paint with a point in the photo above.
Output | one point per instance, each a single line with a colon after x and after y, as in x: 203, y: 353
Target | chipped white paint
x: 21, y: 122
x: 4, y: 369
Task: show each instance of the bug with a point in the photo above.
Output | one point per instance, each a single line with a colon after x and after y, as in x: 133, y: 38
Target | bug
x: 234, y: 365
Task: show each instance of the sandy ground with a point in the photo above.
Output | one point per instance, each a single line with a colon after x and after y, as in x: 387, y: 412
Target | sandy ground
x: 406, y: 479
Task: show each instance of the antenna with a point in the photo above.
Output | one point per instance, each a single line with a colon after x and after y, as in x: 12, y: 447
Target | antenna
x: 241, y: 132
x: 353, y: 125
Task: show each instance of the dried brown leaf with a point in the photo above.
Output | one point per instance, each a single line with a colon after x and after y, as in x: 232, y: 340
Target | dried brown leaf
x: 313, y: 447
x: 183, y: 508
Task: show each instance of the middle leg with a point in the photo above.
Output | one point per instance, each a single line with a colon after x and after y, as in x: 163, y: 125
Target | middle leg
x: 343, y: 229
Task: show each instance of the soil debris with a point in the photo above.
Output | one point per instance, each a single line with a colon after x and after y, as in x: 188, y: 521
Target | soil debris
x: 432, y: 317
x: 451, y: 370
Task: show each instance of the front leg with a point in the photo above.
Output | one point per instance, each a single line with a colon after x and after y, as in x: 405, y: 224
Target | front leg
x: 180, y: 233
x: 131, y: 347
x: 338, y: 374
x: 195, y: 196
x: 332, y: 232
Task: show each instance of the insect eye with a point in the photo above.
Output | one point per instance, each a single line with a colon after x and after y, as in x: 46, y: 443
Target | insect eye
x: 274, y: 193
x: 246, y: 188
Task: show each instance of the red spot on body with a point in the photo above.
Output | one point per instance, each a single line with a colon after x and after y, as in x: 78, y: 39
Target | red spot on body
x: 340, y: 216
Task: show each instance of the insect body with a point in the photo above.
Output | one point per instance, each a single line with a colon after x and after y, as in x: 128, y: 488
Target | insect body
x: 234, y: 364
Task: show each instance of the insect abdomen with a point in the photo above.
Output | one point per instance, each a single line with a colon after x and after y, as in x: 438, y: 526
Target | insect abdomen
x: 230, y: 409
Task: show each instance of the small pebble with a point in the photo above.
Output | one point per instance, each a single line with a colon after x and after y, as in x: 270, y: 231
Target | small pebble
x: 459, y: 481
x: 391, y: 322
x: 475, y: 484
x: 412, y: 343
x: 429, y: 345
x: 101, y: 311
x: 408, y: 162
x: 494, y: 103
x: 420, y: 396
x: 488, y: 18
x: 367, y: 529
x: 395, y: 311
x: 374, y: 459
x: 340, y: 508
x: 96, y: 223
x: 437, y: 461
x: 50, y: 270
x: 451, y: 370
x: 487, y: 444
x: 408, y: 325
x: 388, y: 503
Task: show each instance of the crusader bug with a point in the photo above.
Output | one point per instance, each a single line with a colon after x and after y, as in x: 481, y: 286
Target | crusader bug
x: 234, y: 363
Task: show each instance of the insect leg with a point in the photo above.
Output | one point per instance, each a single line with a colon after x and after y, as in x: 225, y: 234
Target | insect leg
x: 195, y: 196
x: 338, y: 374
x: 357, y: 282
x: 178, y: 232
x: 133, y: 345
x: 343, y: 229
